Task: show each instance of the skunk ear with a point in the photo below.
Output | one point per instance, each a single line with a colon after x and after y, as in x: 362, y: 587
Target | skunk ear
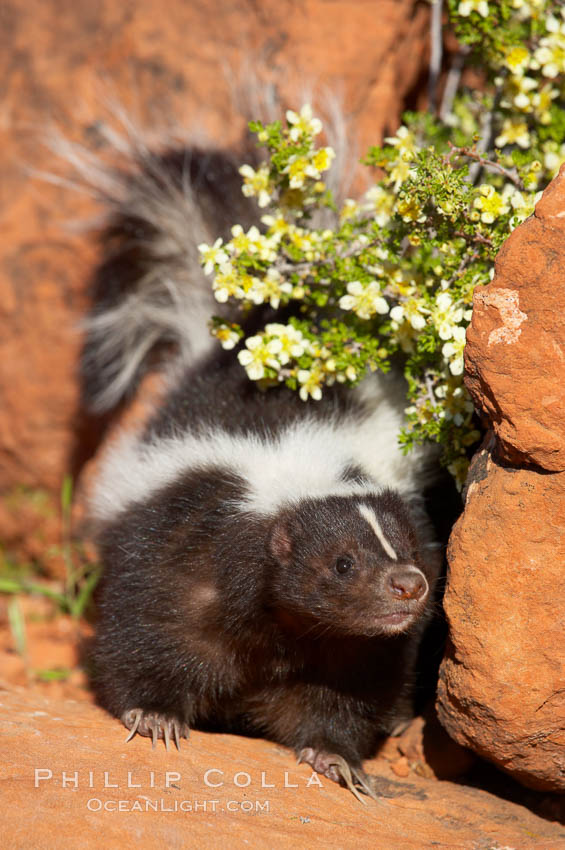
x: 280, y: 543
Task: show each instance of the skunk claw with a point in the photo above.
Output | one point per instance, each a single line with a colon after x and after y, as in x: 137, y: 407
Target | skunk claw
x: 153, y: 725
x: 336, y: 768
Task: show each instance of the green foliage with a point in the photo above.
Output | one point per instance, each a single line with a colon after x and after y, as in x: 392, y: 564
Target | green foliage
x: 75, y: 594
x: 393, y: 273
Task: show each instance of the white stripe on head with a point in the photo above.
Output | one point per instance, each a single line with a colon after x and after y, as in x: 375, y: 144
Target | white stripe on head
x: 369, y: 514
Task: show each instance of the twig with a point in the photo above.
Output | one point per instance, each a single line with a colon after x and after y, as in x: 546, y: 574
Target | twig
x: 476, y: 237
x: 436, y: 54
x: 285, y: 266
x: 430, y: 389
x: 484, y: 162
x: 307, y: 265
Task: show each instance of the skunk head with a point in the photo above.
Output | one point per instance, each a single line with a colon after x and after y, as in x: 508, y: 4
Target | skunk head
x: 350, y: 564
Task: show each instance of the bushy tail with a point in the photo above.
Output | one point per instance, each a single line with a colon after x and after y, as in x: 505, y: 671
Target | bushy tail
x: 149, y: 292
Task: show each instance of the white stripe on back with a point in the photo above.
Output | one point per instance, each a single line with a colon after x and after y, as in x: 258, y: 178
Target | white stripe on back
x: 305, y: 460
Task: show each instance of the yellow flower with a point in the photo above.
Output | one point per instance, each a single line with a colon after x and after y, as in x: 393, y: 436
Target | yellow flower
x: 446, y: 316
x: 491, y: 205
x: 404, y: 141
x: 410, y: 210
x: 541, y: 101
x: 517, y: 59
x: 400, y: 281
x: 405, y: 335
x: 227, y: 337
x: 349, y: 209
x: 364, y: 300
x: 522, y: 206
x: 296, y: 170
x: 292, y: 342
x: 520, y: 91
x: 278, y: 226
x: 457, y: 405
x: 467, y: 6
x: 212, y: 255
x: 399, y: 173
x: 303, y: 124
x: 256, y: 183
x: 514, y: 132
x: 553, y: 157
x: 528, y: 8
x: 453, y: 351
x: 322, y: 160
x: 551, y: 52
x: 257, y: 355
x: 311, y: 165
x: 311, y: 383
x: 269, y: 289
x: 413, y: 311
x: 379, y: 202
x: 243, y: 243
x: 228, y: 283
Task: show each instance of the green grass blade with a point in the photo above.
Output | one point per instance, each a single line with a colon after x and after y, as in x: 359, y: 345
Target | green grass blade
x: 17, y: 626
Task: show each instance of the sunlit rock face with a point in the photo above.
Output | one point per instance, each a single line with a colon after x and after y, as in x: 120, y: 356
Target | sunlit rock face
x: 502, y: 682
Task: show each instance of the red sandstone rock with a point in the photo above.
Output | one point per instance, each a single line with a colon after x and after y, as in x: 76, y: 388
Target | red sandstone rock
x: 515, y: 353
x: 235, y: 792
x: 502, y: 682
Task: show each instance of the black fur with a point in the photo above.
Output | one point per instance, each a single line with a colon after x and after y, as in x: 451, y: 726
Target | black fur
x: 213, y: 615
x: 218, y: 394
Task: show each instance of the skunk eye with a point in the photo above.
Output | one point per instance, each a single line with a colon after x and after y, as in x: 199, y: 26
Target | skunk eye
x: 343, y: 565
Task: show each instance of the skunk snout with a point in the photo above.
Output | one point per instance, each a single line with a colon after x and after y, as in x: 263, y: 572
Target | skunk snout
x: 407, y: 583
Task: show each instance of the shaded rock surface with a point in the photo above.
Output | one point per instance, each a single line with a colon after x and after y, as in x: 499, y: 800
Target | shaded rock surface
x: 502, y: 682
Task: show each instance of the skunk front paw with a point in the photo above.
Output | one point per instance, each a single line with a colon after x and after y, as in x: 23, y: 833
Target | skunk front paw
x: 154, y: 725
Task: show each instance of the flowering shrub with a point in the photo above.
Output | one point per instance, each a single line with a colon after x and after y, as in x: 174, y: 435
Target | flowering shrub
x: 395, y: 273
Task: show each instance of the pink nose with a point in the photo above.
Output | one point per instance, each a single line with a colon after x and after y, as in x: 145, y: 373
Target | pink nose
x: 408, y: 583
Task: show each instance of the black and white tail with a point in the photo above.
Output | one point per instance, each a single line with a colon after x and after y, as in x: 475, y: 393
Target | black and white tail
x: 149, y: 292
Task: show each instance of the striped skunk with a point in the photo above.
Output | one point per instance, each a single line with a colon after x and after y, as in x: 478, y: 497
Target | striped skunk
x: 268, y: 565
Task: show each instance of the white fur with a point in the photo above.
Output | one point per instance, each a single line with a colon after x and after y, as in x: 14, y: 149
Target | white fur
x: 306, y: 460
x: 173, y: 300
x: 369, y: 514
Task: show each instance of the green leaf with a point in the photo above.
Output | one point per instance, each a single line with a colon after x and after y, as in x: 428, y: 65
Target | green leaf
x: 56, y: 674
